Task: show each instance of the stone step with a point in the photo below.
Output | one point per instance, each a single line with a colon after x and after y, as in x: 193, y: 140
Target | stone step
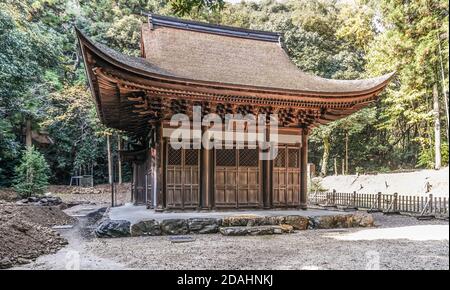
x: 256, y: 230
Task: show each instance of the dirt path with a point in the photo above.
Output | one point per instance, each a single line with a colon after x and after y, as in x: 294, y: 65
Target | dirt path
x: 75, y: 255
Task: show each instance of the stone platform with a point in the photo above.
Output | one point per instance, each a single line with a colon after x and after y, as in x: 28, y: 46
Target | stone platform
x: 132, y: 220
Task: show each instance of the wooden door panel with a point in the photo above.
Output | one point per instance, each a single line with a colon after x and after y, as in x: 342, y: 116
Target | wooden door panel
x: 220, y: 196
x: 282, y: 179
x: 286, y: 177
x: 275, y: 178
x: 220, y: 178
x: 253, y: 177
x: 169, y: 196
x: 230, y: 196
x: 178, y: 196
x: 282, y: 195
x: 289, y: 196
x: 139, y: 185
x: 242, y: 196
x: 231, y: 178
x: 253, y: 196
x: 182, y: 182
x: 188, y: 198
x: 243, y: 178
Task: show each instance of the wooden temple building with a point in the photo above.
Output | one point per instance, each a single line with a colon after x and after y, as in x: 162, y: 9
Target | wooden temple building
x: 223, y: 70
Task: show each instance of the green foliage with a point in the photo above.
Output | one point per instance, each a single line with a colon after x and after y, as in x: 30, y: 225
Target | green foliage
x: 27, y: 51
x: 31, y: 174
x: 184, y: 7
x: 125, y: 34
x: 426, y: 155
x: 75, y: 128
x: 409, y: 45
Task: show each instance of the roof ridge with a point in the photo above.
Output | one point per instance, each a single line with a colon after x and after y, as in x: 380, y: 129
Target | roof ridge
x: 173, y: 22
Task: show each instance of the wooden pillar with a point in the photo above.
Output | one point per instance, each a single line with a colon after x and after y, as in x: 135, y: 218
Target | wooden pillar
x: 108, y: 149
x: 119, y: 161
x: 160, y: 165
x: 267, y: 181
x: 303, y: 170
x: 206, y: 175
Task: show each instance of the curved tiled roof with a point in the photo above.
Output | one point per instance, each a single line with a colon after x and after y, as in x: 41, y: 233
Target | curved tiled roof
x: 233, y: 59
x: 213, y: 56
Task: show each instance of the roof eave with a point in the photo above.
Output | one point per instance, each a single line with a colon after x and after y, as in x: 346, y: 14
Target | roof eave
x: 256, y: 89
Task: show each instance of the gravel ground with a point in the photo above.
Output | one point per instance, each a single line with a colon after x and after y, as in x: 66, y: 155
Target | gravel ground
x: 312, y: 249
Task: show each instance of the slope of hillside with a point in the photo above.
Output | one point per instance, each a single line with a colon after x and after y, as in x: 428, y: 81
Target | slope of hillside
x: 411, y: 183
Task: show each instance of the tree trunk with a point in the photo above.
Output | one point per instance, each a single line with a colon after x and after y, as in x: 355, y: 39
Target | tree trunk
x: 335, y: 166
x: 326, y: 155
x: 437, y: 128
x: 444, y: 89
x: 119, y: 162
x: 28, y: 138
x: 108, y: 145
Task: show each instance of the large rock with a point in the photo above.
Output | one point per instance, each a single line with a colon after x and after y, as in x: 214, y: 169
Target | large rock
x: 250, y: 220
x: 43, y: 201
x: 5, y: 263
x: 255, y: 230
x: 342, y: 221
x: 50, y: 201
x: 332, y: 222
x: 362, y: 220
x: 274, y: 220
x: 146, y: 228
x: 297, y: 222
x: 287, y: 229
x: 113, y: 229
x: 243, y: 220
x: 204, y: 225
x: 174, y: 227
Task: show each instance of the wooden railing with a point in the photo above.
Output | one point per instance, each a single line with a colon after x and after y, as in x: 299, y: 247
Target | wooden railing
x: 422, y: 205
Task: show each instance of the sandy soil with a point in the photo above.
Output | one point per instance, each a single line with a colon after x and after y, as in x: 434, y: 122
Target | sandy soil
x: 8, y: 194
x: 99, y: 194
x: 25, y: 232
x: 312, y: 249
x: 409, y: 183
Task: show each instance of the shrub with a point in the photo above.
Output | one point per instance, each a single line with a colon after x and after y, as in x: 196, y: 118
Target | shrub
x: 31, y: 174
x: 316, y: 185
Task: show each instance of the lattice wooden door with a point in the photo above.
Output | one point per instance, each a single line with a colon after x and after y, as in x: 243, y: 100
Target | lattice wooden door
x: 182, y: 183
x: 237, y: 178
x: 286, y: 177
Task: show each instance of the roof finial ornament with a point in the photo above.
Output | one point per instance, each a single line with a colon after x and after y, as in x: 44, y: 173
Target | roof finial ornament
x: 150, y: 20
